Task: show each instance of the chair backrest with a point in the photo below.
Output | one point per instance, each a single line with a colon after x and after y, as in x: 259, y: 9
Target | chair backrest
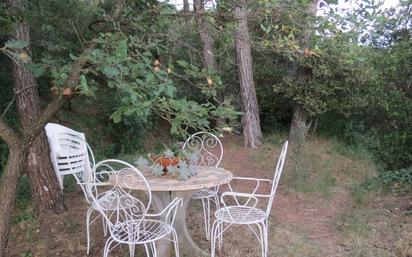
x: 77, y: 159
x: 128, y: 210
x: 276, y: 178
x: 70, y: 154
x: 208, y: 146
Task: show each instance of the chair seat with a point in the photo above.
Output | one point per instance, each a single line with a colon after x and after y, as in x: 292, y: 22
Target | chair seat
x: 109, y: 201
x: 140, y: 231
x: 204, y: 193
x: 240, y: 215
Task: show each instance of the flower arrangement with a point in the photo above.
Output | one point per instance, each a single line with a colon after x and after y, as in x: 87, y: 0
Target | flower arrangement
x: 176, y: 163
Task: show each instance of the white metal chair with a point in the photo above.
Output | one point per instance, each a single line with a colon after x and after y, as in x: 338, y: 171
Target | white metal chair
x: 129, y: 221
x: 211, y: 153
x: 245, y: 211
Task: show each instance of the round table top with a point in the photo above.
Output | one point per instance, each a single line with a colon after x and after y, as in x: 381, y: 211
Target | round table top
x: 206, y: 177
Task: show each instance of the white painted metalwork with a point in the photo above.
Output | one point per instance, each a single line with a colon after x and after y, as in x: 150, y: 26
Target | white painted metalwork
x: 210, y: 151
x: 245, y: 211
x: 129, y: 221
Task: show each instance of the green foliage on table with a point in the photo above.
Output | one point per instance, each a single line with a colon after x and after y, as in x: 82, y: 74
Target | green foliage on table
x: 183, y: 169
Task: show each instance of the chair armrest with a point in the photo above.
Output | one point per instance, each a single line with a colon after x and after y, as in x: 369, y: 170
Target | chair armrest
x: 237, y: 195
x: 169, y: 211
x: 258, y: 182
x: 253, y: 179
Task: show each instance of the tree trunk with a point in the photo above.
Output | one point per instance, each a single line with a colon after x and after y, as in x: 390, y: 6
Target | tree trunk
x: 300, y: 125
x: 186, y: 7
x: 250, y: 120
x: 9, y: 180
x: 209, y: 60
x: 204, y: 34
x: 8, y: 190
x: 301, y: 121
x: 42, y: 179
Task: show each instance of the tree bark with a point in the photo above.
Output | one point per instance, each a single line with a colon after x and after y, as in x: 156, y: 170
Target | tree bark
x: 19, y: 144
x: 209, y: 60
x: 44, y: 186
x: 9, y: 179
x: 204, y: 34
x: 300, y: 125
x: 301, y: 121
x: 8, y: 189
x: 186, y: 7
x: 250, y: 121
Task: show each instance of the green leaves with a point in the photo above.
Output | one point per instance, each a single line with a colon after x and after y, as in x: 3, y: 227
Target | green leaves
x: 16, y: 44
x: 110, y: 71
x: 182, y: 63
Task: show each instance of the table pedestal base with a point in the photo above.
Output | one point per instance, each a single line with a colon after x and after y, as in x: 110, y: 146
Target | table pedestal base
x: 186, y: 245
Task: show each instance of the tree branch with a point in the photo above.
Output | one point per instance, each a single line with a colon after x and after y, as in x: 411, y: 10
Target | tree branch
x: 7, y: 134
x: 51, y: 109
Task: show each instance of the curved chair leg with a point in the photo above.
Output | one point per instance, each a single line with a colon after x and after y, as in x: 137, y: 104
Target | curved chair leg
x: 107, y: 247
x: 262, y: 239
x: 154, y: 251
x: 220, y: 229
x: 147, y: 250
x: 131, y: 249
x: 88, y: 214
x: 104, y: 227
x: 217, y: 203
x: 207, y: 228
x: 213, y: 235
x: 206, y: 216
x: 176, y: 242
x: 266, y: 235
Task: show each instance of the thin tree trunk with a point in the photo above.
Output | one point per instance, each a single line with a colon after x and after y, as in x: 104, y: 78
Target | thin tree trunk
x: 8, y: 190
x: 186, y: 7
x: 300, y: 125
x: 44, y: 186
x: 301, y: 121
x: 209, y: 60
x: 250, y: 120
x: 204, y: 34
x: 9, y: 181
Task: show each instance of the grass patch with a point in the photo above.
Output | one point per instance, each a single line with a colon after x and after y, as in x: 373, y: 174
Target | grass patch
x: 375, y: 225
x: 265, y: 157
x: 284, y: 240
x: 276, y: 139
x: 322, y: 165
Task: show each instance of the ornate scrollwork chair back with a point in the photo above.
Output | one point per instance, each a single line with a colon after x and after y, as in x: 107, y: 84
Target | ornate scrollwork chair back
x: 127, y: 216
x: 208, y: 146
x: 210, y: 151
x: 126, y: 206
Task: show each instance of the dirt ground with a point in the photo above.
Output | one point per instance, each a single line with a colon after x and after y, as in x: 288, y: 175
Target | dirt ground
x: 301, y: 224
